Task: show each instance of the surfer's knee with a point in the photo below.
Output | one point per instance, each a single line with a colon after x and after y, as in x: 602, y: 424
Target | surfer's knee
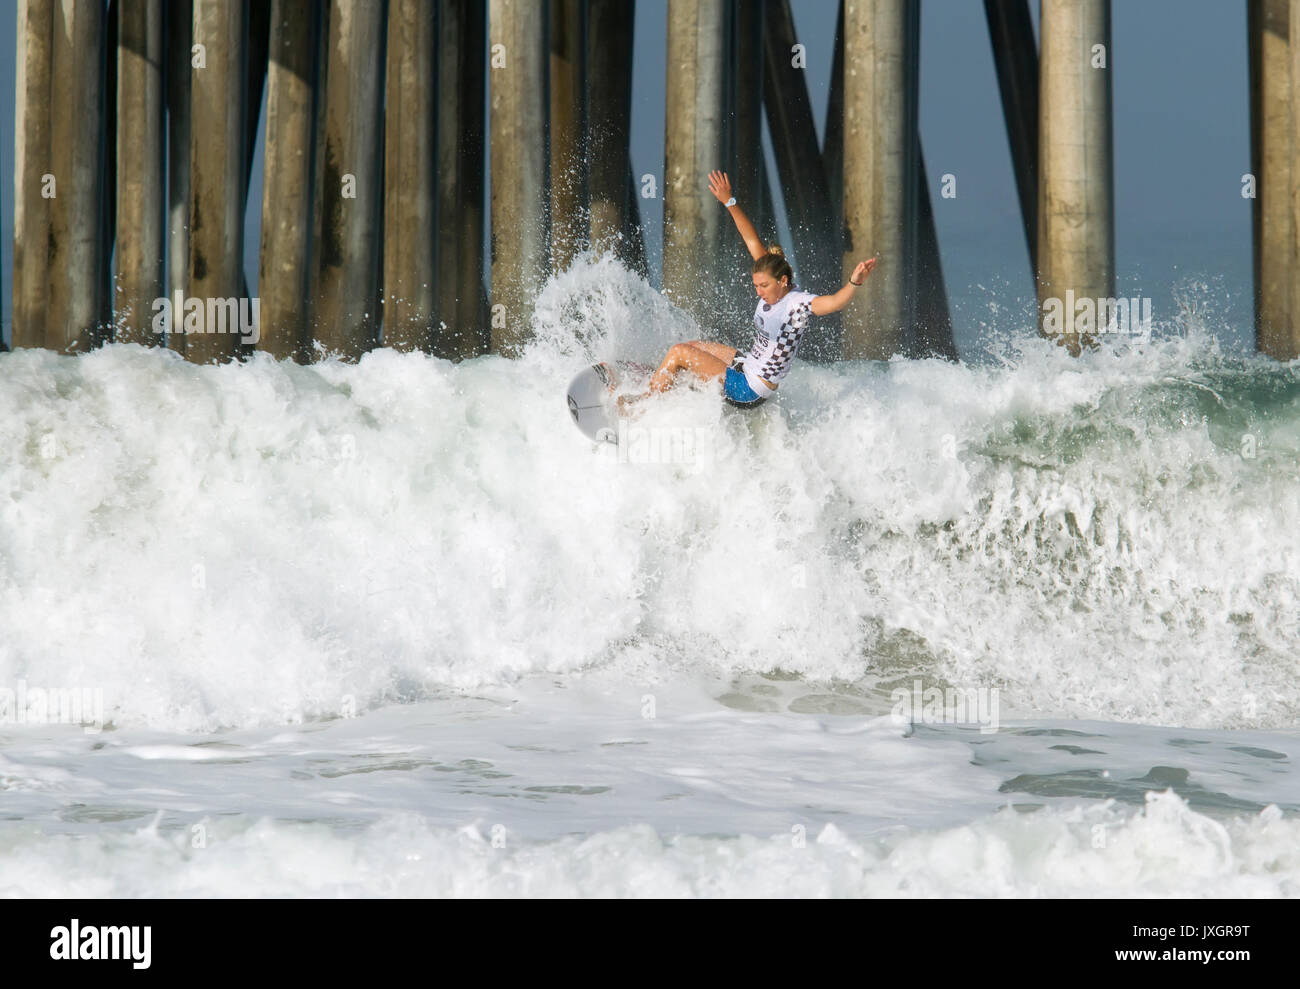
x: 681, y: 351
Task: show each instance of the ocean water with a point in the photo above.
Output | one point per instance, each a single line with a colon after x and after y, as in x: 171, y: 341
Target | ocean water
x: 1028, y: 625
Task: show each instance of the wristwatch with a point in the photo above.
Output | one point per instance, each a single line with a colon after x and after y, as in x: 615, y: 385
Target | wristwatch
x: 730, y: 202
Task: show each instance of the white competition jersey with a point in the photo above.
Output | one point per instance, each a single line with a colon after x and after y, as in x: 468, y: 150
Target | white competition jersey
x: 778, y: 328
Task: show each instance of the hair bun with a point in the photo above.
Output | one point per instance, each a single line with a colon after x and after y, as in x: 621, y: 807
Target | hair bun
x: 776, y: 249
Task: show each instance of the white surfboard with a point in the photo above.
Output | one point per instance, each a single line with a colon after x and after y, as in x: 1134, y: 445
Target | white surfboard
x: 591, y: 397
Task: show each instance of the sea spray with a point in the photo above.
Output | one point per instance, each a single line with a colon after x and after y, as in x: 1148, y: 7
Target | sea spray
x: 265, y: 543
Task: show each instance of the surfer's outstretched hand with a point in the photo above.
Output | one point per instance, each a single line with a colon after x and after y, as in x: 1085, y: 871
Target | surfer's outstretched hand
x: 863, y: 269
x: 720, y: 186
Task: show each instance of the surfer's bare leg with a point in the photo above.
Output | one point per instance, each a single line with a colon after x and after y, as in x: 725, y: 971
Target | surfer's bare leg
x: 718, y: 350
x: 685, y: 357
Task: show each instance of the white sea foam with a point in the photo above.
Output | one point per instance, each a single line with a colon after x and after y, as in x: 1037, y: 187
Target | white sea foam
x: 1164, y: 849
x: 265, y: 543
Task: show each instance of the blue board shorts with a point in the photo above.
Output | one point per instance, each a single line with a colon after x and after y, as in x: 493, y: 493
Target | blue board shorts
x: 736, y: 391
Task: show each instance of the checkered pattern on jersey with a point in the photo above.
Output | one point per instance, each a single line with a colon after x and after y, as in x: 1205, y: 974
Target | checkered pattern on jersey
x: 787, y: 342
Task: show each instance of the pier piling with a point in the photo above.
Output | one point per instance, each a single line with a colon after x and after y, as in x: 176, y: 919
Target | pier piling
x: 347, y: 316
x: 410, y: 187
x: 609, y: 111
x: 216, y: 219
x: 1076, y: 209
x: 141, y: 189
x: 31, y: 165
x: 288, y: 178
x: 694, y: 144
x: 77, y: 291
x: 880, y: 173
x: 1273, y: 213
x: 520, y: 236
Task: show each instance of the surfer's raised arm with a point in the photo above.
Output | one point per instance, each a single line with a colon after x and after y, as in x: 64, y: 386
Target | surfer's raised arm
x: 720, y: 186
x: 780, y: 319
x: 824, y: 304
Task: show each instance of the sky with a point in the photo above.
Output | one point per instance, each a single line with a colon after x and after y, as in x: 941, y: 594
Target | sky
x: 1181, y: 140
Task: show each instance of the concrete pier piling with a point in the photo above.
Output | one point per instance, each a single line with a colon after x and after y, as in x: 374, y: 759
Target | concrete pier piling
x: 31, y: 166
x: 881, y: 173
x: 1076, y: 199
x: 218, y: 78
x: 570, y: 229
x: 288, y: 179
x: 609, y: 112
x: 137, y: 122
x: 695, y: 144
x: 1273, y: 106
x: 77, y: 288
x: 347, y: 316
x: 462, y: 329
x: 410, y: 177
x: 141, y: 163
x: 520, y: 235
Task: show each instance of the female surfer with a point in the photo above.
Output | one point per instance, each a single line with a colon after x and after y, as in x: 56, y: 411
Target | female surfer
x: 779, y: 321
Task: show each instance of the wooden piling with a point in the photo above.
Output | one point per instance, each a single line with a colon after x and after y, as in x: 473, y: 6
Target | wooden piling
x: 520, y: 242
x: 610, y: 25
x: 1015, y: 57
x: 347, y: 309
x: 140, y: 176
x: 462, y: 329
x: 410, y: 188
x: 216, y: 235
x: 570, y: 229
x: 179, y: 17
x: 288, y: 187
x: 77, y: 293
x: 880, y: 173
x: 694, y: 144
x: 31, y: 164
x: 1076, y: 227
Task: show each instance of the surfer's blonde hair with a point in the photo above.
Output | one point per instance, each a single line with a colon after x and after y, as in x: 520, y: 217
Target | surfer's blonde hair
x: 774, y: 263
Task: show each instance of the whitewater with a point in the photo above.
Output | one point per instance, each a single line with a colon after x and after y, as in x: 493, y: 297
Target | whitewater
x: 396, y: 628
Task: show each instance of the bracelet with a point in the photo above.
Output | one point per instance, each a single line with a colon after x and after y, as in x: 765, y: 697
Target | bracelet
x: 730, y: 202
x: 856, y: 284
